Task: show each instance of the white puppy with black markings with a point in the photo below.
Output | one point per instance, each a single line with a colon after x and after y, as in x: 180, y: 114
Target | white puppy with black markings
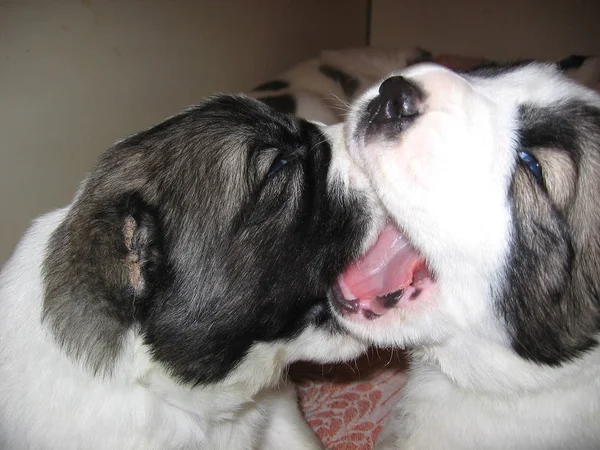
x: 489, y: 267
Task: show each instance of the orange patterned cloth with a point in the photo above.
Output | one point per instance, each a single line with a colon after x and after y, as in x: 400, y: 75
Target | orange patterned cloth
x: 347, y: 405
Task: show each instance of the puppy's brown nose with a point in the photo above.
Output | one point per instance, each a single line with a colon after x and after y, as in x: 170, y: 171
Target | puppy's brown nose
x: 398, y: 98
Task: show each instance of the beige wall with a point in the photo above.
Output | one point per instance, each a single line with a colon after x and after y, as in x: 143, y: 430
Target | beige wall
x: 492, y: 28
x: 77, y: 75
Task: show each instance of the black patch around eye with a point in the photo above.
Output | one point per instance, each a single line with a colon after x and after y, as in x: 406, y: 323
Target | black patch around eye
x: 282, y: 103
x: 550, y: 126
x: 348, y: 83
x: 274, y: 85
x: 552, y: 284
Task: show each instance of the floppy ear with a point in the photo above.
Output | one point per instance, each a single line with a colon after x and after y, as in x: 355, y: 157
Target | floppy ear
x: 100, y: 272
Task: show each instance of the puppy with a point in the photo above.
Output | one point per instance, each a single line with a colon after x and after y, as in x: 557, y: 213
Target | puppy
x: 160, y: 309
x: 489, y: 265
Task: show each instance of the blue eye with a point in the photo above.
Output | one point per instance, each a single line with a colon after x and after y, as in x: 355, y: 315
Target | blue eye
x: 532, y: 163
x: 277, y: 165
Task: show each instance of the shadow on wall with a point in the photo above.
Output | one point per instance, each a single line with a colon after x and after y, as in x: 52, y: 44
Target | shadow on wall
x: 77, y: 75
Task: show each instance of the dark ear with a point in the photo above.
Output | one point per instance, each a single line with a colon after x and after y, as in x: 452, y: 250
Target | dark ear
x: 101, y: 268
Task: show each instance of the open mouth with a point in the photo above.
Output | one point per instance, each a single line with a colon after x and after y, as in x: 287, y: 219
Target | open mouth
x: 391, y: 272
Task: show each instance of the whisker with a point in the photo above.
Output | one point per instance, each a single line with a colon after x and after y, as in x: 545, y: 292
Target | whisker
x: 353, y: 371
x: 339, y: 108
x: 340, y: 100
x: 357, y: 367
x: 317, y: 144
x: 391, y: 357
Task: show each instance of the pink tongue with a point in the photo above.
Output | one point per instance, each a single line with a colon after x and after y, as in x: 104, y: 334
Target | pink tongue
x: 387, y: 267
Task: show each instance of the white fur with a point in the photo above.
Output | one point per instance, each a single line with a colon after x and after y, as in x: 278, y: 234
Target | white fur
x: 467, y: 387
x: 48, y: 401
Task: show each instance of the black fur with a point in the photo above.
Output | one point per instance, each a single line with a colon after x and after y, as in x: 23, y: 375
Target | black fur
x: 348, y: 83
x: 423, y: 56
x: 90, y: 298
x: 552, y: 301
x: 283, y: 103
x: 493, y: 69
x: 228, y: 256
x: 275, y: 85
x: 572, y: 62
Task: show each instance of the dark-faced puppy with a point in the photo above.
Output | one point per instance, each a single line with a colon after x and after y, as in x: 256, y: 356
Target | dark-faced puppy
x: 161, y: 307
x: 489, y: 266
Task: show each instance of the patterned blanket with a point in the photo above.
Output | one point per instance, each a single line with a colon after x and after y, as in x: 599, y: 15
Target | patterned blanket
x: 347, y: 405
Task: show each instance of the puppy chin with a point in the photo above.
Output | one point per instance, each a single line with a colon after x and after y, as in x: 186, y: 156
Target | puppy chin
x: 399, y: 328
x: 324, y: 347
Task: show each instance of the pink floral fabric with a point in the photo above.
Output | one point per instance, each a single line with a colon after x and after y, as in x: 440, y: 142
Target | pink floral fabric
x: 348, y: 405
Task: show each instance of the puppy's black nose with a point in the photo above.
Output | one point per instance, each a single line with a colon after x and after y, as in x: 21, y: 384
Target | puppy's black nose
x: 399, y: 103
x: 398, y: 98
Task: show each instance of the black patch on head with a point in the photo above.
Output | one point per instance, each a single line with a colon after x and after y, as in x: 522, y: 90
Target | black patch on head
x: 550, y: 127
x: 572, y: 62
x: 494, y: 69
x: 180, y: 233
x: 348, y: 83
x: 551, y: 301
x: 274, y: 85
x: 282, y: 103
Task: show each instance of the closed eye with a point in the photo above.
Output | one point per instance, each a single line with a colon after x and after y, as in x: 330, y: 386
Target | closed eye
x: 281, y: 161
x: 532, y: 164
x: 277, y: 165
